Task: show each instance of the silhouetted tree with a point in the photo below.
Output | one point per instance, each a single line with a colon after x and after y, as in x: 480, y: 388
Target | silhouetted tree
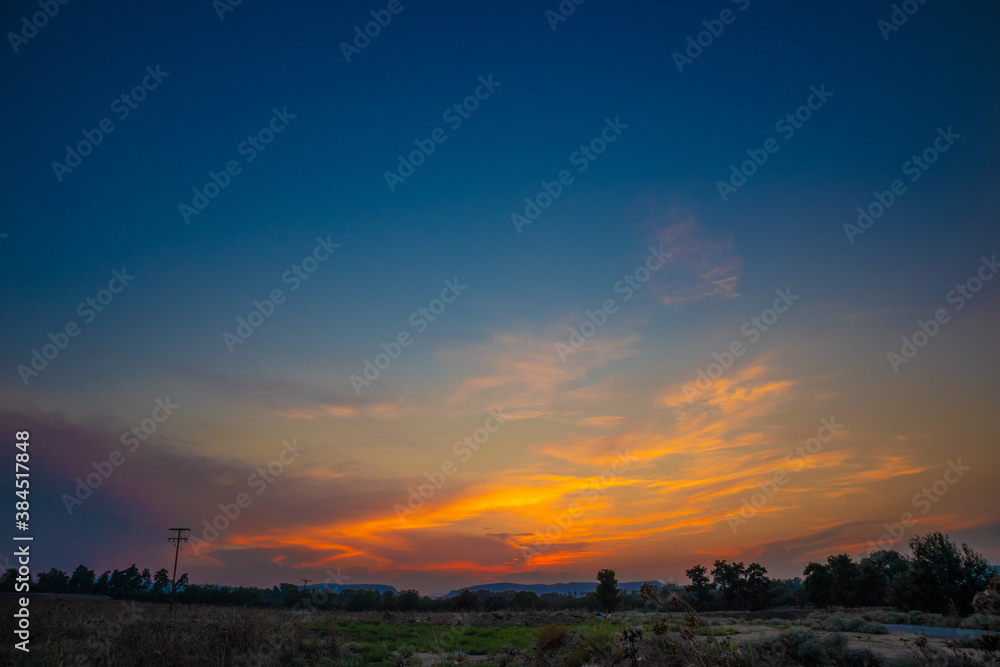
x: 758, y: 586
x: 53, y: 581
x: 82, y: 580
x: 409, y: 600
x: 525, y: 601
x: 102, y: 585
x: 700, y: 587
x: 467, y: 600
x: 818, y: 584
x: 730, y: 579
x: 844, y: 577
x: 128, y: 584
x: 607, y: 593
x: 290, y: 594
x: 161, y: 583
x: 875, y: 572
x: 362, y: 599
x: 786, y: 593
x: 8, y: 580
x: 941, y: 576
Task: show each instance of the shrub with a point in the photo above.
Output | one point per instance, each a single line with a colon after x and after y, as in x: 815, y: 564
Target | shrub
x: 549, y: 636
x: 767, y: 651
x: 600, y: 638
x: 576, y: 658
x: 990, y: 645
x: 893, y: 617
x: 860, y: 658
x: 982, y: 622
x: 862, y: 626
x: 804, y: 647
x: 839, y: 623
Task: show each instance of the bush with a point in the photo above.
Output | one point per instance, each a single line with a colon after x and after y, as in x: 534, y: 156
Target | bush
x: 860, y: 658
x: 923, y: 618
x: 804, y: 647
x: 549, y: 636
x: 576, y: 658
x: 601, y: 638
x: 838, y: 622
x: 893, y: 617
x: 766, y: 651
x: 864, y: 627
x: 982, y: 622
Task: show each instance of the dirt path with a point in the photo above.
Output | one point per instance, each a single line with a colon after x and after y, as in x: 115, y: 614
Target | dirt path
x: 931, y: 631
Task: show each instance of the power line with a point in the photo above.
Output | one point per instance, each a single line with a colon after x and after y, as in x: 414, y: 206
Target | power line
x: 101, y: 514
x: 180, y: 538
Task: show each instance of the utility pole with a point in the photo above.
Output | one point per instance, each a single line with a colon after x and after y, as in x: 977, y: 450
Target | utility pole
x: 305, y: 582
x: 180, y: 538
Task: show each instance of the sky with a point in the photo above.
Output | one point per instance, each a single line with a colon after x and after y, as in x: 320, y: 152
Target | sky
x: 499, y: 292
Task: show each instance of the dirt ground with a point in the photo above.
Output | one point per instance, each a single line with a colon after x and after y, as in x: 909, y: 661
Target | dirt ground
x: 889, y: 646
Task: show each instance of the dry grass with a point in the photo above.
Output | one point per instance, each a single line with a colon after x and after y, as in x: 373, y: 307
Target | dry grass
x: 549, y: 636
x: 78, y: 632
x: 87, y: 632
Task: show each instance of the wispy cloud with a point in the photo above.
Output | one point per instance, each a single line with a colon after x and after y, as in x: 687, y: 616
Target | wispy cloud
x: 700, y: 268
x: 522, y: 372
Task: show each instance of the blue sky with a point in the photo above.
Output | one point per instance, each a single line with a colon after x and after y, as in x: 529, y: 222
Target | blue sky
x: 323, y: 176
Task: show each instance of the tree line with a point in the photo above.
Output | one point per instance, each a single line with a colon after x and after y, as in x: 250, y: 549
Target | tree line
x: 127, y: 584
x: 938, y: 576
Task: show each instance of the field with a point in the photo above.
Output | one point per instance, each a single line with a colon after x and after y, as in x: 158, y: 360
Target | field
x: 79, y: 631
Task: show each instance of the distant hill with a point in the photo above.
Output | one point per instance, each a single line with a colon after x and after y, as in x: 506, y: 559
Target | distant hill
x: 336, y: 588
x: 563, y: 589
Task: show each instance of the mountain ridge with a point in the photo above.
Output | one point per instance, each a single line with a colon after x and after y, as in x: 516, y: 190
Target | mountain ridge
x: 563, y: 588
